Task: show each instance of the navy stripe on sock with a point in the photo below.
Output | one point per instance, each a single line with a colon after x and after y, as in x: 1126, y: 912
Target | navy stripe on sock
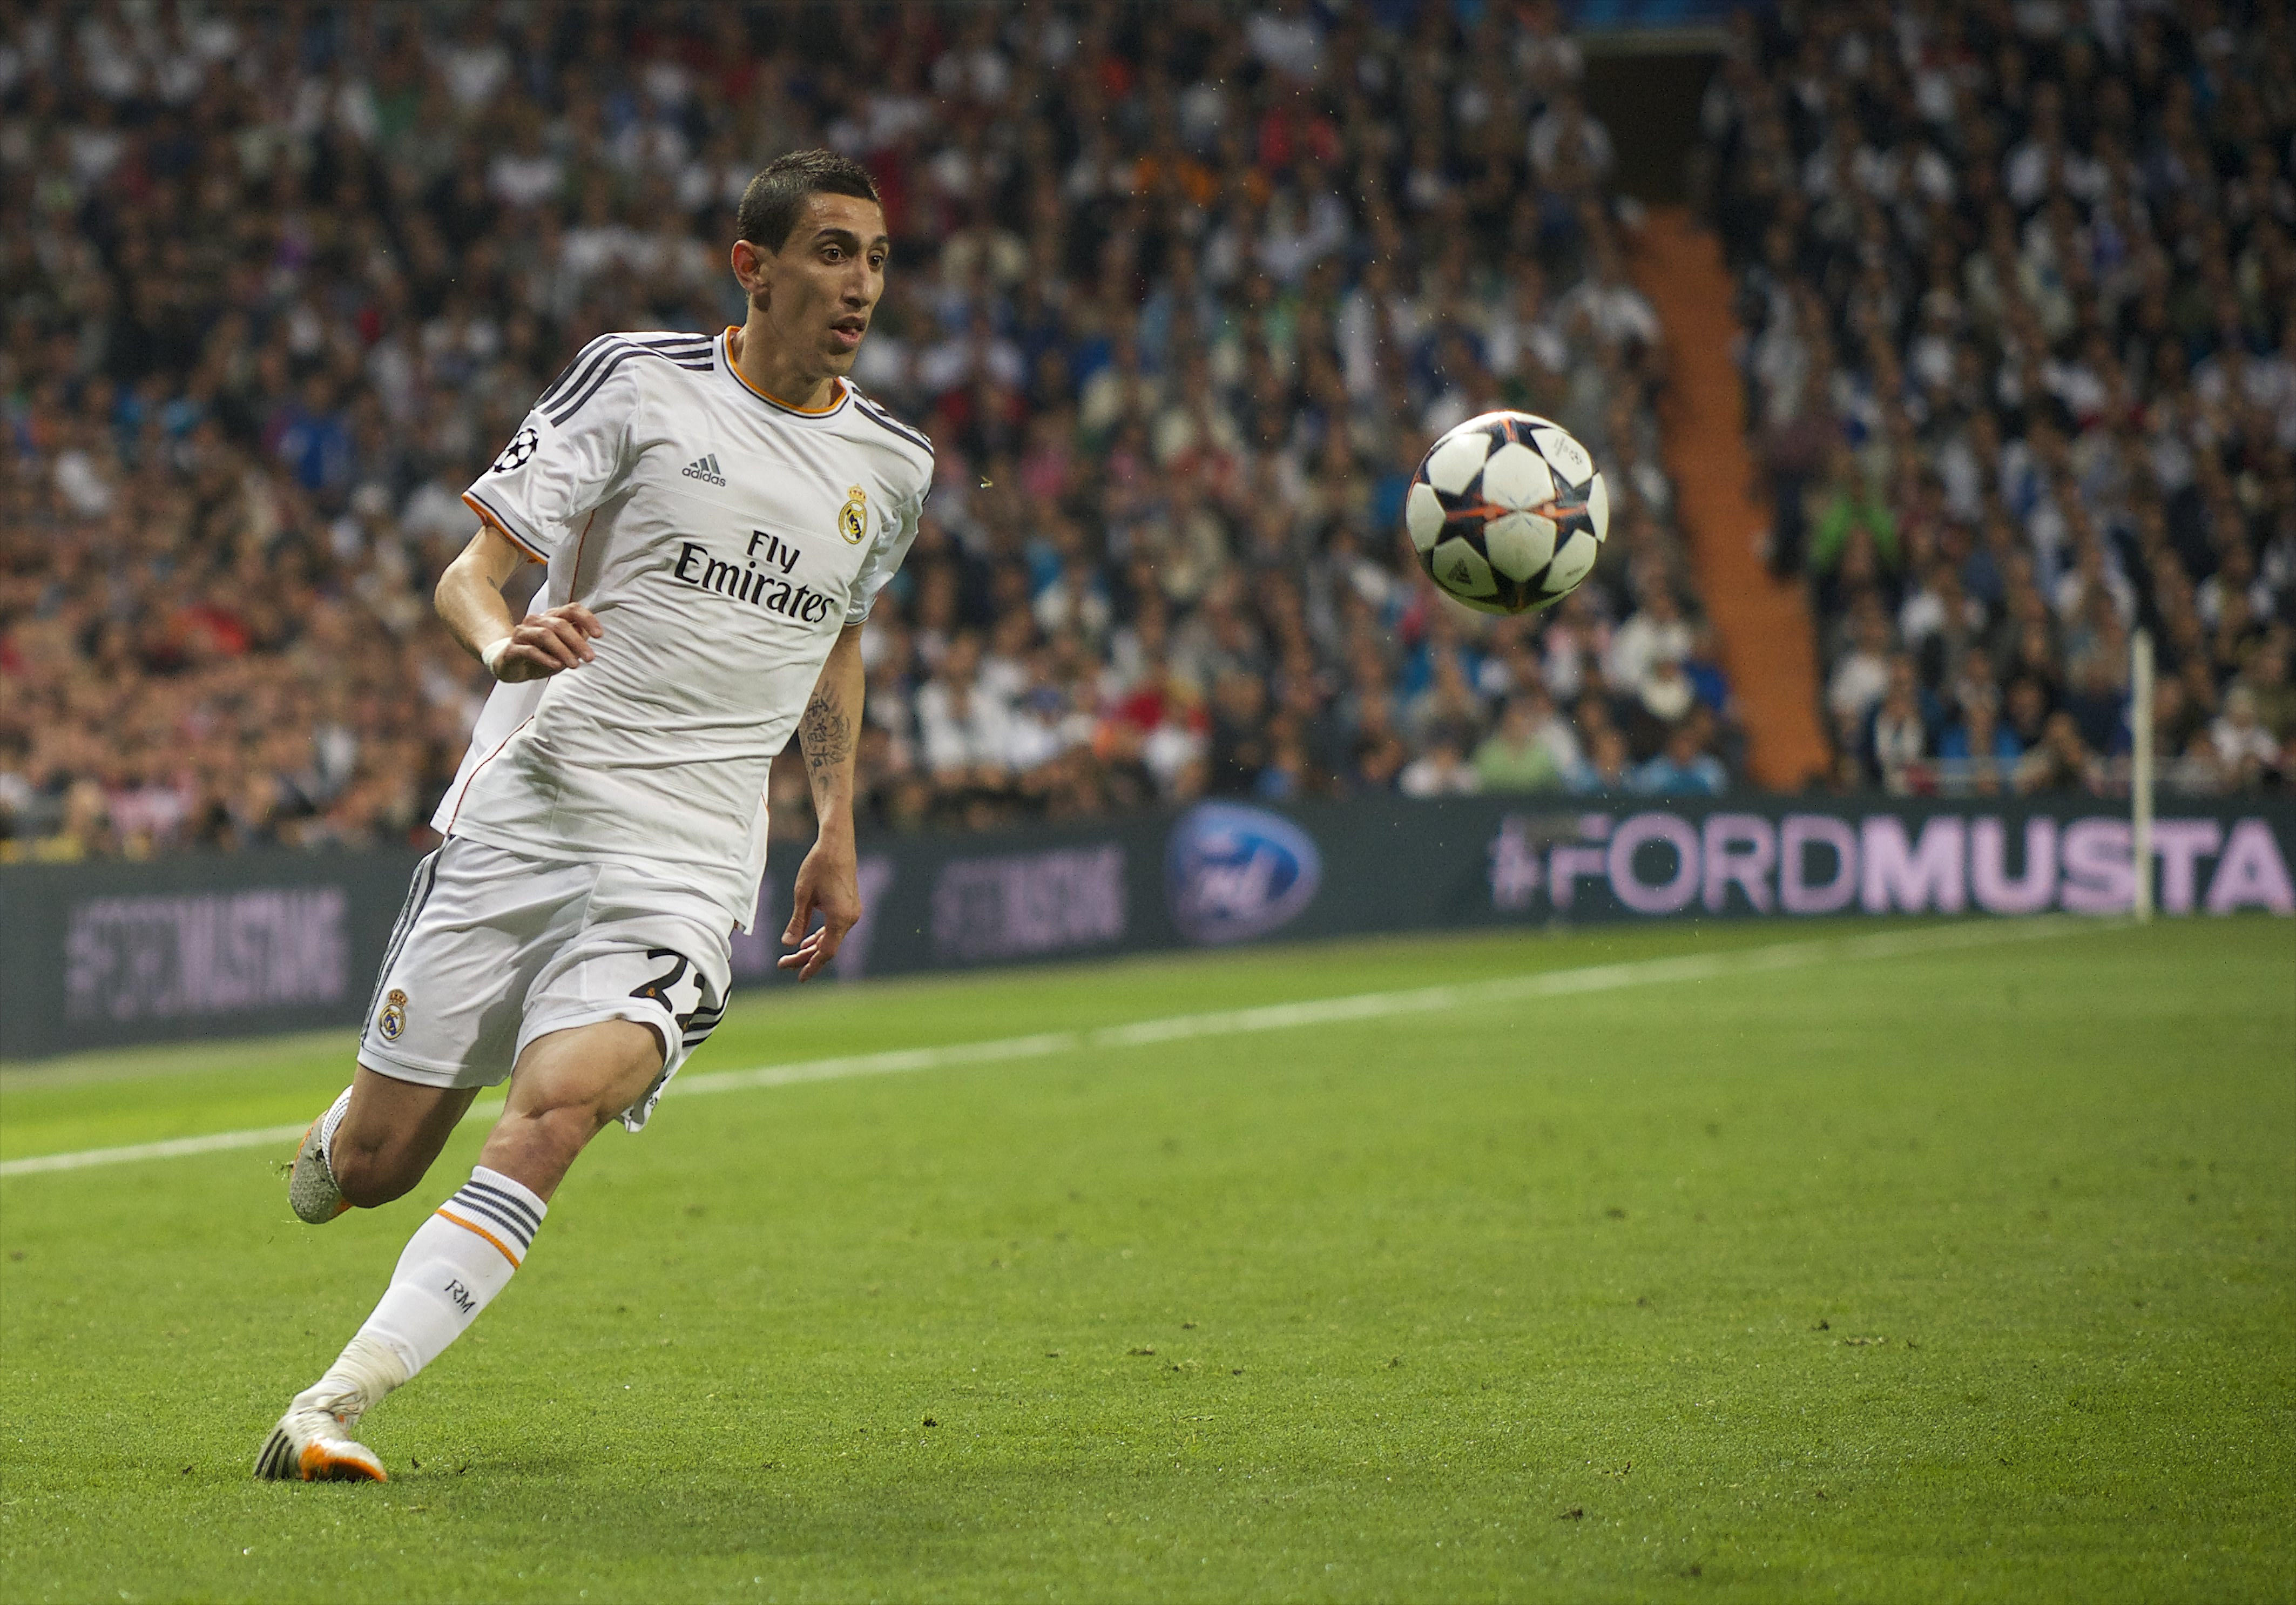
x: 494, y: 1214
x: 486, y: 1218
x: 509, y: 1209
x: 504, y: 1202
x: 507, y: 1199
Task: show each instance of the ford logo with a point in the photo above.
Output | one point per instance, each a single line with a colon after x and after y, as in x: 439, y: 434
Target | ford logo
x: 1234, y: 872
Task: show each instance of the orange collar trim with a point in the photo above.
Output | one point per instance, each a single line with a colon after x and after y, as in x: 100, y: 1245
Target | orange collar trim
x: 820, y: 411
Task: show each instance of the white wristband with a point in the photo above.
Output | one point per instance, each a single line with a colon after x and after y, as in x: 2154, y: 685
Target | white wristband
x: 491, y: 655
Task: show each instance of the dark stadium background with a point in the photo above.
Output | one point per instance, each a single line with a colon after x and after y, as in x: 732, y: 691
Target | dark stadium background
x: 1931, y: 352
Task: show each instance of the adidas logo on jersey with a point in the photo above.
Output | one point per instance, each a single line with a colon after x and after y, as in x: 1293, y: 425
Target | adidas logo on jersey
x: 706, y: 470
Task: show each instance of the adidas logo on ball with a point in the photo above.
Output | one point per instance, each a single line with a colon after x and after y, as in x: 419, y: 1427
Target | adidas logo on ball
x: 706, y: 470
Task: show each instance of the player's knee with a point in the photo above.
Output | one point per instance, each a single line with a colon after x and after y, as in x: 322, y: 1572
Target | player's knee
x: 575, y: 1083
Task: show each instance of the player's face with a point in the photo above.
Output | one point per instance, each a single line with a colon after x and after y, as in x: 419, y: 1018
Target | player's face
x: 823, y: 285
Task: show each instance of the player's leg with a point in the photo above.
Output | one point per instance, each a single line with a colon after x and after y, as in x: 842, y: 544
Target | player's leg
x: 480, y: 928
x: 568, y: 1085
x: 389, y: 1135
x: 378, y: 1140
x: 609, y: 1015
x: 477, y: 925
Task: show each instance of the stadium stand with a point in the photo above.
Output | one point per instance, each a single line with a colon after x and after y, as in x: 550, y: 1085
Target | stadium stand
x: 2017, y: 287
x: 1181, y: 292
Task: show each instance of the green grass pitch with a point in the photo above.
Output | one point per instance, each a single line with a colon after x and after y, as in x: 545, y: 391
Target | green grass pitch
x: 1967, y: 1274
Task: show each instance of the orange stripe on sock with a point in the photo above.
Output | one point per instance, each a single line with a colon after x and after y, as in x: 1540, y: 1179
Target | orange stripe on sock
x: 482, y: 1231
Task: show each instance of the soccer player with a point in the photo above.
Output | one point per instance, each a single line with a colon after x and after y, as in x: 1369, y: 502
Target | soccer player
x: 716, y: 513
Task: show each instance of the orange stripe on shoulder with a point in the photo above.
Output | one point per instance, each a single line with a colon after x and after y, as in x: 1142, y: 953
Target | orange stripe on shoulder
x: 501, y: 528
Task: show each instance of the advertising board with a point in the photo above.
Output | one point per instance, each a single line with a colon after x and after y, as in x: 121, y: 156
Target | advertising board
x: 102, y: 955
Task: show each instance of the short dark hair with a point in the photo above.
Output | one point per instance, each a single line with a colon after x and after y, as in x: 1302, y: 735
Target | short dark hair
x: 771, y: 204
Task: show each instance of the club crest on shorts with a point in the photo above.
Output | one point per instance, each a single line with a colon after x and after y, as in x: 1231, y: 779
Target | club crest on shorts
x: 392, y: 1021
x: 853, y: 517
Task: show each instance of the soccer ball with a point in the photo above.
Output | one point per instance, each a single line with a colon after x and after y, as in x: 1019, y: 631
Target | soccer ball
x: 1507, y: 512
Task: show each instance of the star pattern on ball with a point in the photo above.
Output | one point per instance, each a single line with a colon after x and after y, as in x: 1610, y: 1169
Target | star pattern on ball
x: 1507, y: 512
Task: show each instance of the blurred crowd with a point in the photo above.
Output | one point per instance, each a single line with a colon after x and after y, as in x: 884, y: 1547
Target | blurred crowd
x: 1180, y: 291
x: 2021, y: 308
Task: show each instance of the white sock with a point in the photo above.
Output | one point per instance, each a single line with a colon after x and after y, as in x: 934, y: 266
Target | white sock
x: 452, y: 1268
x: 327, y: 1124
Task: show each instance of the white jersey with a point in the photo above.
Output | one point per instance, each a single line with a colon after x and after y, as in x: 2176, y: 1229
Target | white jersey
x: 723, y: 539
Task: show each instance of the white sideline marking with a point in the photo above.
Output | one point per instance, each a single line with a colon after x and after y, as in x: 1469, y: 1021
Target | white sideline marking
x: 173, y: 1148
x: 1228, y: 1022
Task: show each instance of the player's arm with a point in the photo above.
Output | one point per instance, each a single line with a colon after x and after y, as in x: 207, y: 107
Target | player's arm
x: 828, y: 882
x: 470, y: 598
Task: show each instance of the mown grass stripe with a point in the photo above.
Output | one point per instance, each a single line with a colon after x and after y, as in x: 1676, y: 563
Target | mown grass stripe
x: 1228, y: 1022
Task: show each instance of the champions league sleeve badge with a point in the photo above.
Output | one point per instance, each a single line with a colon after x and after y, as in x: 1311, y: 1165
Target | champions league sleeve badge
x: 522, y: 446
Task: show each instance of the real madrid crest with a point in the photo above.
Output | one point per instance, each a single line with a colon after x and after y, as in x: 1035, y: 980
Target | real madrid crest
x: 392, y: 1021
x: 853, y: 517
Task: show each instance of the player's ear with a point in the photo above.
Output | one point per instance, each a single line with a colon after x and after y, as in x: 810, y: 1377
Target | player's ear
x: 749, y: 269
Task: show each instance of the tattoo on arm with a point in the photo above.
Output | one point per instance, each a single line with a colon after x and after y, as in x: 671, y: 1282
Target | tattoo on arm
x: 826, y: 734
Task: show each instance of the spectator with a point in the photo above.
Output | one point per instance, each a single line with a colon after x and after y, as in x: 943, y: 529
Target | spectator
x: 1607, y: 767
x: 2267, y: 678
x: 2098, y: 705
x: 1518, y: 755
x: 1981, y: 748
x: 2028, y: 713
x: 1239, y: 748
x: 1703, y: 668
x: 1899, y: 736
x: 1850, y: 513
x: 1442, y: 770
x: 1862, y: 674
x: 1682, y: 768
x: 2059, y: 762
x: 1567, y: 143
x: 961, y: 725
x: 1662, y: 698
x: 2245, y: 750
x: 1656, y: 630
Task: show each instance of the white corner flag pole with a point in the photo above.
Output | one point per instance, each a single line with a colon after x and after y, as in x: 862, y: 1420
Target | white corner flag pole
x: 2140, y: 773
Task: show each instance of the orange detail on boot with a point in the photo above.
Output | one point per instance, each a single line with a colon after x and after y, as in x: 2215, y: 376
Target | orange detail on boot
x: 320, y: 1463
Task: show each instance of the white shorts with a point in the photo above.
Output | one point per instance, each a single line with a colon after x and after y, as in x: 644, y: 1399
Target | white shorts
x: 495, y: 949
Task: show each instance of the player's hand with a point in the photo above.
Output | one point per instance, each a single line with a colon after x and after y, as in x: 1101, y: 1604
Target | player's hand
x: 828, y: 883
x: 542, y: 644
